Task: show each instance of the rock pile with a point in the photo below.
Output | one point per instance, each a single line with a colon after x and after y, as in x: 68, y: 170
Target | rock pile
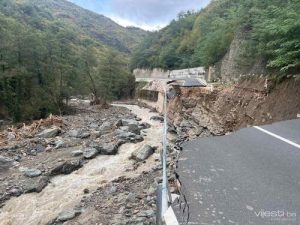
x: 124, y: 201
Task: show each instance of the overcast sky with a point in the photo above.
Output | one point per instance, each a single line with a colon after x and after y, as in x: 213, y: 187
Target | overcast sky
x: 147, y: 14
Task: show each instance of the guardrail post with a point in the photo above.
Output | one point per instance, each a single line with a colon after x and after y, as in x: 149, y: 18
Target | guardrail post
x: 158, y: 205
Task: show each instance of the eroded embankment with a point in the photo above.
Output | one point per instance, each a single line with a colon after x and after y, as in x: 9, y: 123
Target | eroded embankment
x: 198, y: 113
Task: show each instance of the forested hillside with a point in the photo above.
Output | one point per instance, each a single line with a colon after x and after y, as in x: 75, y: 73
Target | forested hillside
x: 52, y: 49
x: 270, y: 30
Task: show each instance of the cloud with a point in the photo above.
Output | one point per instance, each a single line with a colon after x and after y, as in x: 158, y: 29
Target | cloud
x: 129, y: 23
x: 147, y: 14
x: 153, y: 12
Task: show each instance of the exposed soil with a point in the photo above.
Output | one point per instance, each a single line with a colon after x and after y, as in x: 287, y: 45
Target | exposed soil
x: 199, y: 112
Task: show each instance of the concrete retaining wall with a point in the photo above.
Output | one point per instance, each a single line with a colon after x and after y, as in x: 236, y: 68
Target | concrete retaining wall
x: 148, y: 73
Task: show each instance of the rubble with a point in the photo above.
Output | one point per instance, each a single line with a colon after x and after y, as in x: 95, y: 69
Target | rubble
x: 127, y: 201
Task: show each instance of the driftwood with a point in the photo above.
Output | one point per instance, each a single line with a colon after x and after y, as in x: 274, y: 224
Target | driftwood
x: 30, y: 130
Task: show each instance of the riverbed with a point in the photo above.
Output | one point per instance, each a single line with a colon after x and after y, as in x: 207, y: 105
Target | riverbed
x: 65, y: 192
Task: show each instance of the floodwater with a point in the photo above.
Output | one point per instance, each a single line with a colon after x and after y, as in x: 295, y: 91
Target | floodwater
x: 65, y: 192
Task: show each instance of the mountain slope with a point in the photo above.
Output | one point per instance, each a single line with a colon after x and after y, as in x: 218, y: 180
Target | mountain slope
x: 266, y: 30
x: 39, y: 13
x: 52, y: 49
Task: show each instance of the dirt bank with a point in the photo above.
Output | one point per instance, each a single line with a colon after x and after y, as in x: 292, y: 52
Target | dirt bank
x: 197, y: 112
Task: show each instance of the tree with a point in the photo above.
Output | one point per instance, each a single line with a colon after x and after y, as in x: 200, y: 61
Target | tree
x: 114, y: 76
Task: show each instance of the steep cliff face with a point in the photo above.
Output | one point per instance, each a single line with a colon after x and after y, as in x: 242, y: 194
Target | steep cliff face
x: 200, y: 112
x: 235, y: 63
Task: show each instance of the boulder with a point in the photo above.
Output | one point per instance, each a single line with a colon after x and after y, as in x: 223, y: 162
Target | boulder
x: 37, y: 185
x: 74, y: 133
x: 33, y: 152
x: 5, y: 163
x: 157, y: 118
x: 105, y: 127
x: 113, y: 189
x: 125, y: 135
x: 90, y: 153
x: 49, y: 133
x: 143, y: 153
x: 108, y: 149
x: 119, y: 123
x: 85, y: 135
x: 147, y: 213
x: 68, y: 215
x: 133, y: 128
x: 127, y: 122
x: 94, y: 125
x: 39, y: 148
x: 96, y: 134
x: 131, y: 197
x: 15, y: 191
x: 137, y: 139
x: 144, y: 125
x: 17, y: 158
x: 59, y: 144
x: 77, y: 153
x: 66, y: 167
x: 30, y: 172
x: 125, y: 128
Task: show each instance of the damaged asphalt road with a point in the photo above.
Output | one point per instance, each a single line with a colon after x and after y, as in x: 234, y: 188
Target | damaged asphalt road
x: 242, y: 178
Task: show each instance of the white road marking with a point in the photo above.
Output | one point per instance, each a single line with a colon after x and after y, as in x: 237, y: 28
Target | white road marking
x: 278, y: 137
x: 170, y: 218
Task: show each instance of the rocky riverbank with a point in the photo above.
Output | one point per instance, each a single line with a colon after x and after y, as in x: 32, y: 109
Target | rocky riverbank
x: 82, y: 155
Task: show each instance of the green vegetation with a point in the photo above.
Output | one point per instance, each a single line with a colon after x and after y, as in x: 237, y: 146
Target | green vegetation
x: 271, y: 30
x: 52, y: 49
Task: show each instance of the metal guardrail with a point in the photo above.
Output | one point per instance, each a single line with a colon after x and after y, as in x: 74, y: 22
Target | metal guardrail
x: 163, y: 198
